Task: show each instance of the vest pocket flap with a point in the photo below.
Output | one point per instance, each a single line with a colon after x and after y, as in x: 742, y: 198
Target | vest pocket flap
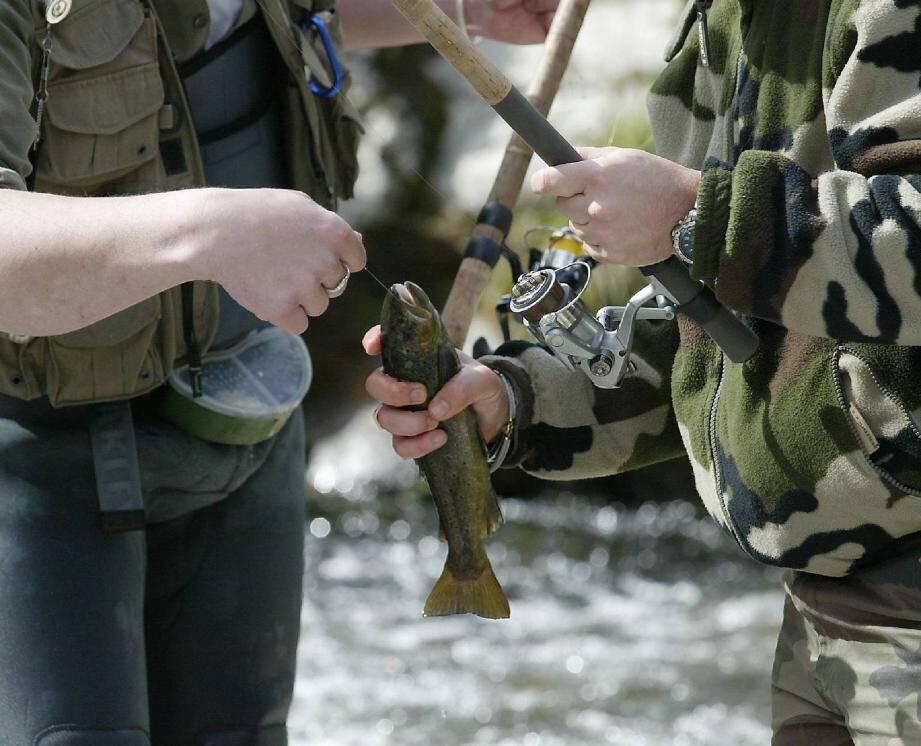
x: 95, y: 33
x: 106, y: 105
x: 114, y: 329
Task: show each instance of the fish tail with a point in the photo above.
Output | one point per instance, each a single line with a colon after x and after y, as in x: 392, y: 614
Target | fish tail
x: 482, y: 596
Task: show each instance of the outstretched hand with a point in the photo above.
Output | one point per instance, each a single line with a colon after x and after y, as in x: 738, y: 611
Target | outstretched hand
x: 416, y: 434
x: 511, y: 21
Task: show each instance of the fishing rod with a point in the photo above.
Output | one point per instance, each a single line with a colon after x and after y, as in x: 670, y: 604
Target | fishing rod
x: 495, y: 218
x: 669, y: 279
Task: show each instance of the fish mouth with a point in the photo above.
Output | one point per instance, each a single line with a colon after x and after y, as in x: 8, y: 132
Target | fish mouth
x: 414, y: 300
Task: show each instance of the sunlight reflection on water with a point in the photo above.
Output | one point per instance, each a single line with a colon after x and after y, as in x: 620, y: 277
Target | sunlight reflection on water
x: 630, y: 625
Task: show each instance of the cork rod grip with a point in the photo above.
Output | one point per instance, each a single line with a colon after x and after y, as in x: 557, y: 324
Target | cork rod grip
x: 452, y: 44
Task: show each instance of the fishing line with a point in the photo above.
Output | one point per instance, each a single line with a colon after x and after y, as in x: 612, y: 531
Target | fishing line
x: 378, y: 280
x: 387, y: 288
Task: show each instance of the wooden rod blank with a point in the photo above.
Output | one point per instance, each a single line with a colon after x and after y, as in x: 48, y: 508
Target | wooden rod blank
x: 473, y: 275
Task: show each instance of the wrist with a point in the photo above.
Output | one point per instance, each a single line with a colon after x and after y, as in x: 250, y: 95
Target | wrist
x: 199, y: 215
x: 502, y: 444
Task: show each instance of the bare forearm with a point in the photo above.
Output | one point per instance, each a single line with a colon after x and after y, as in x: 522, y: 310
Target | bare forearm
x: 376, y: 23
x: 67, y: 262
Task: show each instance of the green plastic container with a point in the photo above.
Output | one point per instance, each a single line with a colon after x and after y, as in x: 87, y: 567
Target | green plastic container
x: 249, y: 390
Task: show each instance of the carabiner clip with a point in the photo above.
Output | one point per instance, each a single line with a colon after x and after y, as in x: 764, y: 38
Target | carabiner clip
x: 338, y: 74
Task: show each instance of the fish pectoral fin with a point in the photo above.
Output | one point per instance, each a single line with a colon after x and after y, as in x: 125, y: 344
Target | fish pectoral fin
x: 494, y: 519
x: 482, y: 596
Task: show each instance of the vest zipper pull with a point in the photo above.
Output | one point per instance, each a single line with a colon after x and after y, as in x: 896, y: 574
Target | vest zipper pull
x: 704, y: 31
x: 41, y: 95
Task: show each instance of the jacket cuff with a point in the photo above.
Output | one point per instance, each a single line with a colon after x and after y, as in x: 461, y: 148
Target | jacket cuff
x: 520, y: 381
x: 713, y: 199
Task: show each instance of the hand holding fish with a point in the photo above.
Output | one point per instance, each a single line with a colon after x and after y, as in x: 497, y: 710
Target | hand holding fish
x: 415, y: 348
x: 622, y: 202
x: 416, y: 434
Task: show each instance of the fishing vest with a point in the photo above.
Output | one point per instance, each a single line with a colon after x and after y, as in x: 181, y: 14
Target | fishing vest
x: 116, y: 121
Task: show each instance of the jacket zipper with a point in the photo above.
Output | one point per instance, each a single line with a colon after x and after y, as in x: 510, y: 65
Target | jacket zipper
x: 717, y: 470
x: 843, y: 403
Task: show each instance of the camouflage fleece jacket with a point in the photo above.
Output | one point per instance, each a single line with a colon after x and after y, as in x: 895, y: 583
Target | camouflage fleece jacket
x: 807, y: 126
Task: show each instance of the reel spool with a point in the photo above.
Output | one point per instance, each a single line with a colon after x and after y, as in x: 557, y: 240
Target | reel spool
x: 553, y: 312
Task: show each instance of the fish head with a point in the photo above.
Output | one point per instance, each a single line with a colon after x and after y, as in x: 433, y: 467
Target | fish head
x: 409, y: 318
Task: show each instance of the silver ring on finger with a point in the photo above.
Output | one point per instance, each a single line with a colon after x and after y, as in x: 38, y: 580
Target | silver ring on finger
x: 335, y: 292
x: 375, y: 416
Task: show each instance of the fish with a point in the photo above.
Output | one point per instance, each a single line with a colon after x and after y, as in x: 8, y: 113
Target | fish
x: 416, y: 347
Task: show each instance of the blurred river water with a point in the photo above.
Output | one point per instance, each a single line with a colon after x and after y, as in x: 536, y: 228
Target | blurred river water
x: 633, y: 622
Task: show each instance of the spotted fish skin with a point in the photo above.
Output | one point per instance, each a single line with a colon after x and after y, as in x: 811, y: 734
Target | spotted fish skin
x: 415, y: 347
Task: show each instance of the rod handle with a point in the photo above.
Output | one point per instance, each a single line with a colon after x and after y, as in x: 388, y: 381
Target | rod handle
x: 698, y: 303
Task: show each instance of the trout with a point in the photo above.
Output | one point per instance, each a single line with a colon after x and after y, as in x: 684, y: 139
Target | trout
x: 416, y: 347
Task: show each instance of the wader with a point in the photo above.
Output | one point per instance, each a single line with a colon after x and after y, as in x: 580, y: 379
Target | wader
x: 185, y: 632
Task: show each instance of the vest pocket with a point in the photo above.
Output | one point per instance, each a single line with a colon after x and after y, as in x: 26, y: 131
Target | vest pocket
x: 102, y: 122
x: 111, y: 359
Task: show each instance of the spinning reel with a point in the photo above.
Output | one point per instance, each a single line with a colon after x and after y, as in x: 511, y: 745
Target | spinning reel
x: 548, y: 301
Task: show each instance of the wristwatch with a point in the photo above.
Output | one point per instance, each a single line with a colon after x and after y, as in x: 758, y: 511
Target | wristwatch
x: 683, y: 237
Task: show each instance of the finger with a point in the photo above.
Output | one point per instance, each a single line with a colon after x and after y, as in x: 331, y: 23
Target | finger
x: 472, y: 384
x: 575, y: 208
x: 404, y: 422
x: 316, y: 302
x: 352, y: 251
x: 589, y: 233
x: 372, y: 340
x: 420, y: 445
x: 295, y: 322
x: 561, y: 181
x: 579, y: 230
x: 388, y: 390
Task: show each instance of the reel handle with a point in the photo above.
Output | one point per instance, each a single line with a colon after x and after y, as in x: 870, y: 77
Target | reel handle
x: 697, y: 302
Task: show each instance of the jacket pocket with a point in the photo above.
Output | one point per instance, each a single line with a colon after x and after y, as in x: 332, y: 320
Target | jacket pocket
x: 885, y: 428
x: 102, y: 120
x: 114, y: 358
x: 795, y: 483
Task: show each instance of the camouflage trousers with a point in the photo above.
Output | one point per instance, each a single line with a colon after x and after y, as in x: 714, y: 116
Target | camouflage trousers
x: 848, y: 663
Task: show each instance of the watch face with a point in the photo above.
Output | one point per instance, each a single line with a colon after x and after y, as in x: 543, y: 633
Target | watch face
x: 686, y: 243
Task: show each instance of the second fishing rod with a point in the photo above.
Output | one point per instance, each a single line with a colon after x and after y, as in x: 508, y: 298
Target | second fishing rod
x: 692, y: 297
